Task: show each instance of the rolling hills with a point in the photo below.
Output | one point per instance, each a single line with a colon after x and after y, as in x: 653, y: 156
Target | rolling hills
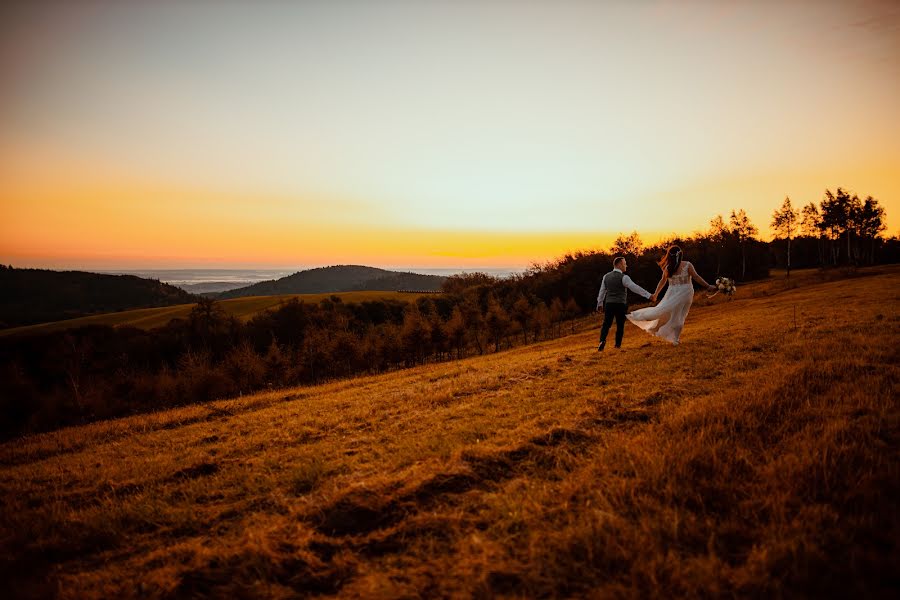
x: 37, y: 300
x: 758, y: 458
x: 340, y: 278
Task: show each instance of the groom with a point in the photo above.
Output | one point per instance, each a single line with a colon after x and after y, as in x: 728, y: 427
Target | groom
x: 613, y: 300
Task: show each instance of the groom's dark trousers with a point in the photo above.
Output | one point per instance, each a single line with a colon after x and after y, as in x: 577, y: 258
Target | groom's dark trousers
x: 613, y: 310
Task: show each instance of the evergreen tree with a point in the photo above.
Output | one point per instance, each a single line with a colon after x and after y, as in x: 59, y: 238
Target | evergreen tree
x: 784, y: 222
x: 744, y: 231
x: 718, y: 236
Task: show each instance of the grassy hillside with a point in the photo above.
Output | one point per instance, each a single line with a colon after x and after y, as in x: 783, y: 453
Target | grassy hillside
x: 242, y: 308
x: 758, y: 458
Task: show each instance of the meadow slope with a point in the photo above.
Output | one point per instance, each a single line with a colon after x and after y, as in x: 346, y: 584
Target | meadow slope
x: 758, y: 458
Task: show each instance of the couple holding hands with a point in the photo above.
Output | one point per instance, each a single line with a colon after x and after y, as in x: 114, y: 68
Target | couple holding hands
x: 666, y: 319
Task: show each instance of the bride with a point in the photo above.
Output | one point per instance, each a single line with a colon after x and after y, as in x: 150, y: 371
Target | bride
x: 666, y: 319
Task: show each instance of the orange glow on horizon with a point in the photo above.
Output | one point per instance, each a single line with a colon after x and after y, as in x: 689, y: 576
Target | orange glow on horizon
x: 85, y: 217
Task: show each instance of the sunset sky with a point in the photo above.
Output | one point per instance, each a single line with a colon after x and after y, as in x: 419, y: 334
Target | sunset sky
x: 444, y: 134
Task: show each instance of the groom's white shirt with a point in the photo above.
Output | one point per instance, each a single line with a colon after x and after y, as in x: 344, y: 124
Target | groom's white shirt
x: 628, y: 283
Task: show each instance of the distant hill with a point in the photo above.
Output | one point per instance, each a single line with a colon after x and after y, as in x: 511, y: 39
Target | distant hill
x: 30, y: 296
x: 340, y: 278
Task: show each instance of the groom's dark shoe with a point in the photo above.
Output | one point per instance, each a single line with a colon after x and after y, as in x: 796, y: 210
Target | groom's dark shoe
x: 601, y: 346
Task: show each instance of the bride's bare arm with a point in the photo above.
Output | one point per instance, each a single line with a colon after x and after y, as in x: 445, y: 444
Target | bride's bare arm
x: 696, y: 277
x: 659, y: 287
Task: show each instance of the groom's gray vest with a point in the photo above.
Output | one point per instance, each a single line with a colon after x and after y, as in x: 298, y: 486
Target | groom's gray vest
x: 615, y: 289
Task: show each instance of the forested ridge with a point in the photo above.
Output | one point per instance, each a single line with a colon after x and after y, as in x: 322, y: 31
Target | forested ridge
x: 30, y: 296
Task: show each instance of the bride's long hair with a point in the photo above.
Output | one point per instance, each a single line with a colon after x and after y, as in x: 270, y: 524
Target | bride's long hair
x: 670, y: 260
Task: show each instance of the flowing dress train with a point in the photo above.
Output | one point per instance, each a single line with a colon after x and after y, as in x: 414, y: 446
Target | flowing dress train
x: 666, y: 319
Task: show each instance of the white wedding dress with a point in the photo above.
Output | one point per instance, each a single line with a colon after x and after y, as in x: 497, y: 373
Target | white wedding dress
x: 666, y: 319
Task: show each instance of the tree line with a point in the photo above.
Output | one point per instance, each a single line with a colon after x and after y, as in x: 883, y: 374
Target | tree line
x: 96, y: 372
x: 841, y: 230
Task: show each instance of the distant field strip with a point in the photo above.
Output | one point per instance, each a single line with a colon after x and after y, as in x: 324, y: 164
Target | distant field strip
x: 242, y: 308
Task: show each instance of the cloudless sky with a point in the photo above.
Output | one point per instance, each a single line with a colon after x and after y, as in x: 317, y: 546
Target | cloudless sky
x: 489, y: 133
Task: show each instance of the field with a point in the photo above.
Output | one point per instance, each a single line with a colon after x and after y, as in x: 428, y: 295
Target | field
x: 757, y: 459
x: 242, y: 308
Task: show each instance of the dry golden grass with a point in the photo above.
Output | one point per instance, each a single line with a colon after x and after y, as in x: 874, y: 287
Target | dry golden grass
x: 242, y: 308
x: 755, y: 459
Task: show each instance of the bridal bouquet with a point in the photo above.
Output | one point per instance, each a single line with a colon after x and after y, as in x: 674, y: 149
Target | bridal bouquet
x: 726, y: 286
